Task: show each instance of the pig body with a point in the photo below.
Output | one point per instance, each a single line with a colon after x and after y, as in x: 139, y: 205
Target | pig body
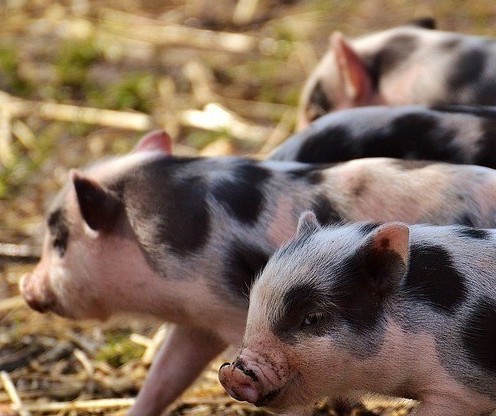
x: 456, y: 134
x: 183, y: 238
x: 403, y: 65
x: 367, y: 308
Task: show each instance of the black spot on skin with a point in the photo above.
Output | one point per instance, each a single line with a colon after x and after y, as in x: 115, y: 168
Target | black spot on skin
x: 177, y: 205
x: 424, y: 22
x: 413, y: 135
x: 432, y: 278
x: 395, y: 52
x: 479, y: 334
x: 311, y: 174
x: 411, y: 164
x: 318, y: 103
x: 366, y: 229
x: 364, y: 281
x: 466, y: 219
x: 298, y: 302
x: 420, y: 136
x: 475, y: 110
x: 325, y: 212
x: 476, y: 233
x: 243, y: 196
x: 450, y: 44
x: 486, y: 154
x: 242, y: 264
x: 325, y: 144
x: 359, y: 188
x: 467, y: 68
x: 268, y: 398
x: 59, y: 231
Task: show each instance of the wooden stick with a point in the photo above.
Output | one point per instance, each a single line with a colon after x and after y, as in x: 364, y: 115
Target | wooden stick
x: 14, y: 396
x: 172, y: 34
x: 75, y: 114
x: 217, y: 118
x: 244, y: 11
x: 18, y: 251
x: 11, y: 303
x: 154, y: 345
x: 97, y: 404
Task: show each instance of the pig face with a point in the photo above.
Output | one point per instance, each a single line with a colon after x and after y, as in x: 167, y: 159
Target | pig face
x: 402, y: 65
x: 339, y: 81
x: 89, y: 246
x: 297, y: 342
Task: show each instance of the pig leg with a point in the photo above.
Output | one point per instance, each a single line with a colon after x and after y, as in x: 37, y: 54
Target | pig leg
x: 182, y: 357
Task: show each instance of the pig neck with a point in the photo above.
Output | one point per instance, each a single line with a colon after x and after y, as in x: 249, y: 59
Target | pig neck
x: 144, y: 290
x: 407, y: 365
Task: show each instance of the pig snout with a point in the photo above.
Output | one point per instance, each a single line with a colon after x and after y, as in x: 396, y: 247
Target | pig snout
x: 241, y: 383
x: 37, y: 294
x: 258, y: 380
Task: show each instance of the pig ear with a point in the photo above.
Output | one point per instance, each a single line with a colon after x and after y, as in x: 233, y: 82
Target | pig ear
x: 155, y: 140
x: 353, y: 73
x: 307, y: 224
x: 386, y: 255
x: 99, y: 207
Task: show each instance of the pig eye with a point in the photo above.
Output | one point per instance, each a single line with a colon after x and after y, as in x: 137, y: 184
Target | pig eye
x: 312, y: 319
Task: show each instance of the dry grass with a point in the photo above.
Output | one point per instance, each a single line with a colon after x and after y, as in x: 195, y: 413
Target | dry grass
x: 84, y: 78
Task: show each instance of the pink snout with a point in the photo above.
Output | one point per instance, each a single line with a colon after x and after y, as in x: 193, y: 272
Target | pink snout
x: 37, y: 295
x: 243, y: 384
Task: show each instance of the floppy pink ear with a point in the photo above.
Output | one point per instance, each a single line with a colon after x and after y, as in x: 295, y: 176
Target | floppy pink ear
x: 155, y: 140
x: 353, y: 72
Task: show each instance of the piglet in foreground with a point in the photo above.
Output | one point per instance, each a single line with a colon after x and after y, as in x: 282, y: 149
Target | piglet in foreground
x: 401, y: 310
x: 183, y: 238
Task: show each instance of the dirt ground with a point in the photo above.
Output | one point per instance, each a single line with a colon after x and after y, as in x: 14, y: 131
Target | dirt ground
x: 177, y: 65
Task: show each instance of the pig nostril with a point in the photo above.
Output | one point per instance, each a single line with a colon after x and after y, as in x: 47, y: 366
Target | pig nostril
x: 224, y: 365
x: 246, y: 371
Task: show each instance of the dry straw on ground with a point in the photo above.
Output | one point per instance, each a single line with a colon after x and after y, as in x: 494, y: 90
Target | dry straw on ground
x: 84, y: 78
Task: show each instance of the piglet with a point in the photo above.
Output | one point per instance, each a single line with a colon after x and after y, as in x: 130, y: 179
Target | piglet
x: 404, y: 65
x: 455, y: 134
x: 182, y: 238
x: 391, y: 309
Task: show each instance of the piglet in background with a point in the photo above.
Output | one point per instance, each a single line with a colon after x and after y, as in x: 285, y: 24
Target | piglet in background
x: 406, y: 311
x: 405, y: 65
x: 182, y: 238
x: 455, y: 134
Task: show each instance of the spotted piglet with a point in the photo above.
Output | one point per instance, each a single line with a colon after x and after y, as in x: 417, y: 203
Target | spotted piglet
x: 400, y: 310
x: 183, y: 238
x: 403, y: 65
x: 455, y: 134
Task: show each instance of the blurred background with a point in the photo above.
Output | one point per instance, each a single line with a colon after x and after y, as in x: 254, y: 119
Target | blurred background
x: 83, y: 79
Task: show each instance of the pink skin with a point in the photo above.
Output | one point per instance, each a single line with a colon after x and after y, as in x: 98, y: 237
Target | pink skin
x: 92, y: 264
x: 183, y: 356
x: 255, y: 376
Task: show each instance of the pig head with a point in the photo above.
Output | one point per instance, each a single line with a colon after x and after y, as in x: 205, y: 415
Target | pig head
x: 88, y: 247
x: 294, y: 351
x: 403, y: 65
